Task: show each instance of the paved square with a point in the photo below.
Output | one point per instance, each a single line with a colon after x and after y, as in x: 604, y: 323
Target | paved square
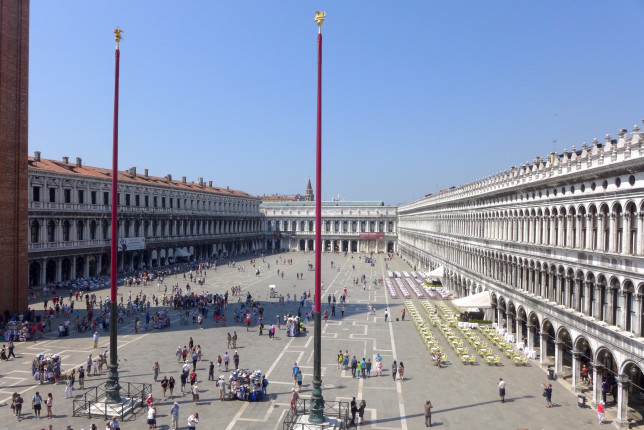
x: 463, y: 396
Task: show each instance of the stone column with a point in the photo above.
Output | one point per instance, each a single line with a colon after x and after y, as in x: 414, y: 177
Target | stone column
x: 86, y: 267
x: 559, y: 357
x: 560, y: 230
x: 622, y: 401
x: 624, y: 316
x: 517, y: 324
x: 589, y: 231
x: 597, y: 384
x: 59, y: 269
x: 530, y: 337
x: 640, y: 228
x: 43, y: 271
x: 638, y: 316
x: 543, y: 348
x: 612, y: 233
x: 551, y: 239
x: 72, y: 275
x: 578, y: 221
x: 575, y: 370
x: 587, y: 285
x: 598, y: 302
x: 626, y: 234
x: 99, y: 265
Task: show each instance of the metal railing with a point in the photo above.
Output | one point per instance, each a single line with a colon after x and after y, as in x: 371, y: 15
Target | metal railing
x: 341, y: 411
x: 92, y: 403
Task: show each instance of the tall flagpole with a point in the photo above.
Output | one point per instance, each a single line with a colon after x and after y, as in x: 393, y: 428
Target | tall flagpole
x: 317, y: 401
x: 112, y: 387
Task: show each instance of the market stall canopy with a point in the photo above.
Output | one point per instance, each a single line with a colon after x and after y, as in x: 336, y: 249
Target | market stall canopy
x: 181, y: 252
x: 439, y: 272
x: 480, y: 300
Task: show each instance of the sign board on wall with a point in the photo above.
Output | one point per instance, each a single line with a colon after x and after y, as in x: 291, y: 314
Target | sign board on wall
x: 131, y: 243
x: 372, y: 236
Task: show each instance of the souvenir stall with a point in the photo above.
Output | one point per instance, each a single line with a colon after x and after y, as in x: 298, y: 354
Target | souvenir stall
x: 161, y: 320
x: 17, y: 331
x: 247, y: 386
x: 293, y: 326
x: 49, y: 365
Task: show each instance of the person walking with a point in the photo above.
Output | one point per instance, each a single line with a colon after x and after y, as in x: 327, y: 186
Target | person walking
x: 401, y: 371
x: 428, y: 413
x: 174, y: 413
x: 164, y: 385
x: 69, y: 390
x: 394, y: 369
x: 361, y: 408
x: 171, y: 383
x: 221, y: 383
x: 502, y: 390
x: 600, y: 412
x: 340, y: 359
x: 226, y: 359
x: 155, y: 369
x: 95, y: 338
x: 193, y: 420
x: 152, y: 414
x: 11, y: 348
x: 296, y: 370
x: 354, y: 409
x: 386, y: 314
x: 299, y: 380
x: 36, y: 404
x: 81, y: 378
x: 294, y: 398
x: 195, y: 393
x: 49, y: 403
x: 17, y: 405
x: 211, y: 371
x: 354, y: 366
x: 236, y: 359
x: 547, y: 390
x: 230, y: 338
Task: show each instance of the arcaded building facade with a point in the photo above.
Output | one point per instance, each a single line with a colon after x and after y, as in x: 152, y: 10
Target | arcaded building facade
x: 346, y: 226
x: 558, y: 243
x: 161, y: 220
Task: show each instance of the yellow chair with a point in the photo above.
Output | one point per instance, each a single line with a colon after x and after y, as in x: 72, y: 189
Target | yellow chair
x: 471, y: 360
x: 463, y: 359
x: 488, y: 360
x: 497, y: 360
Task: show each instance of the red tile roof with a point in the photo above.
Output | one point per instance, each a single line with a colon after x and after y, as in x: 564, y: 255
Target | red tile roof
x: 126, y: 177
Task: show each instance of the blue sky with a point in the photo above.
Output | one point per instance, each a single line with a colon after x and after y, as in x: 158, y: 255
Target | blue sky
x: 417, y: 95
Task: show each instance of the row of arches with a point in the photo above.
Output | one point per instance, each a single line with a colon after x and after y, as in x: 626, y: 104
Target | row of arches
x: 610, y: 226
x: 64, y: 230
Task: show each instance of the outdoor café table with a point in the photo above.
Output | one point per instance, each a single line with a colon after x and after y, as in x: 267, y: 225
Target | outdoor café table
x: 501, y: 331
x: 491, y: 357
x: 520, y: 345
x: 531, y: 354
x: 461, y: 324
x: 473, y: 325
x: 509, y: 337
x: 460, y: 348
x: 493, y: 325
x: 434, y: 349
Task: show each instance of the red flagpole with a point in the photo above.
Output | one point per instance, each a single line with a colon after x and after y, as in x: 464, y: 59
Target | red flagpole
x: 115, y: 162
x: 318, y: 188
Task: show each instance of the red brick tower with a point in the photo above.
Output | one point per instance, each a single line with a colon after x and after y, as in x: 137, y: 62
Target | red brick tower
x: 14, y: 73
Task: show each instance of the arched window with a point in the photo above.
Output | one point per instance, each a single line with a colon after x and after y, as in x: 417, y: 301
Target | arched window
x: 92, y: 230
x: 80, y: 230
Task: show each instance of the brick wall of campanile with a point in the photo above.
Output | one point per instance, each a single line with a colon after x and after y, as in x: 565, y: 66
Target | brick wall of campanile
x: 14, y: 73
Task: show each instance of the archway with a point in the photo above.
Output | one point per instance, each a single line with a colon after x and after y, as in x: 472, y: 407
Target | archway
x: 606, y: 367
x: 65, y: 270
x: 92, y: 267
x: 563, y: 353
x: 34, y: 273
x: 80, y: 267
x: 547, y: 346
x: 50, y: 271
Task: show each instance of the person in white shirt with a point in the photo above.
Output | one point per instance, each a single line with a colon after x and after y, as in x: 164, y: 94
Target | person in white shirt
x: 502, y: 390
x: 192, y: 421
x: 152, y: 421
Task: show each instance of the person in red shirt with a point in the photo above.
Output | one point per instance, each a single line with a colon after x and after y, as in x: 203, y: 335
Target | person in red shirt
x: 600, y: 412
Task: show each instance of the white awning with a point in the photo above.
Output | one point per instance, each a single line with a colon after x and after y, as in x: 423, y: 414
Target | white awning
x: 439, y: 272
x: 181, y: 252
x: 480, y: 300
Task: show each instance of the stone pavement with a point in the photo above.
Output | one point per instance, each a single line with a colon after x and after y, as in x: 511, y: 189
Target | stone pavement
x: 463, y: 396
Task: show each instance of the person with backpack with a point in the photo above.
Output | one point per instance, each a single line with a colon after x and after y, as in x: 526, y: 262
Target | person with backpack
x: 361, y: 408
x: 36, y: 404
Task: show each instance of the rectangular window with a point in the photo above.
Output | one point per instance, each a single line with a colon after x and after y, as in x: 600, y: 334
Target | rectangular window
x: 147, y: 201
x: 106, y: 198
x: 52, y: 195
x: 93, y: 197
x: 36, y: 194
x: 127, y: 200
x: 81, y: 196
x: 163, y: 202
x: 154, y: 201
x: 118, y: 199
x: 68, y: 195
x: 178, y: 203
x: 171, y: 202
x: 137, y: 200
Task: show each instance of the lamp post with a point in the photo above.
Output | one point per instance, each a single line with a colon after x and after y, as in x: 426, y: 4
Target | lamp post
x: 112, y: 386
x: 317, y: 401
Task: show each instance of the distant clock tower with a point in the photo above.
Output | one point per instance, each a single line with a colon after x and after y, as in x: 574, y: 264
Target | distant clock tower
x: 309, y: 192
